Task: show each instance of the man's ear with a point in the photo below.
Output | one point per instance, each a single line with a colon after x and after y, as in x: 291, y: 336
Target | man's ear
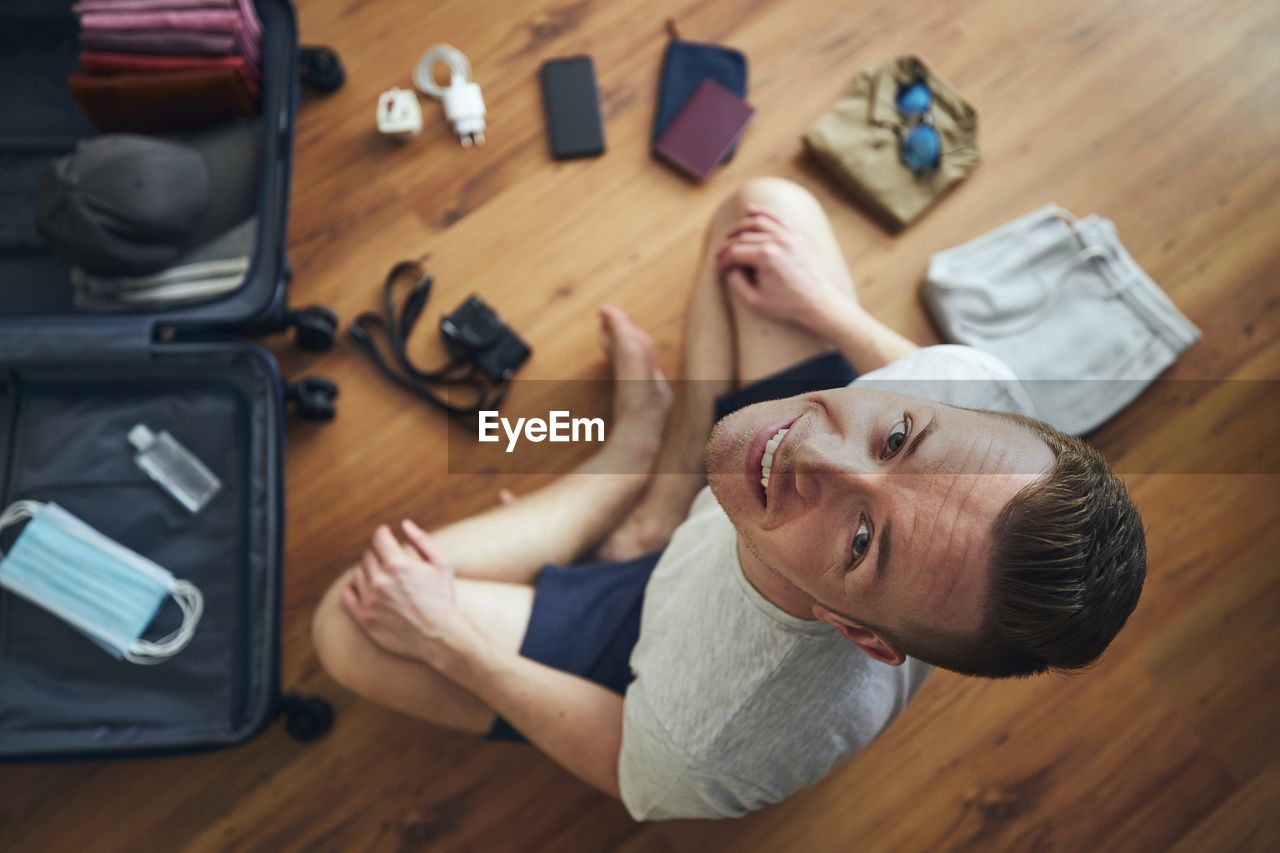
x: 869, y: 641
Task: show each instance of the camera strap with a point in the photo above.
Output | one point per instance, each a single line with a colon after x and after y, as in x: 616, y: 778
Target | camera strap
x: 389, y: 333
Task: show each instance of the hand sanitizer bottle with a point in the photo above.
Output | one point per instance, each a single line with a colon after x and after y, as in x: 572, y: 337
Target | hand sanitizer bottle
x: 174, y: 468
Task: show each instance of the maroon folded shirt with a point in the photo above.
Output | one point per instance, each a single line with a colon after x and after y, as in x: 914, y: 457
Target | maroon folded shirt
x: 130, y: 63
x: 162, y: 103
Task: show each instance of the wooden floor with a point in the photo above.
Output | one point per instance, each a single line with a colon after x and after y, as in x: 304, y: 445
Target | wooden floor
x: 1163, y: 115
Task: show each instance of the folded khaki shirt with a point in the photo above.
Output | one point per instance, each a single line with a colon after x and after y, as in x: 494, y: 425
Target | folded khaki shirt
x: 858, y: 141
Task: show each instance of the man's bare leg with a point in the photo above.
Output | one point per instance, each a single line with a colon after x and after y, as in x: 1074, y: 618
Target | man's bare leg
x: 706, y: 372
x: 726, y: 345
x: 500, y: 610
x: 562, y: 521
x: 508, y: 545
x: 765, y: 346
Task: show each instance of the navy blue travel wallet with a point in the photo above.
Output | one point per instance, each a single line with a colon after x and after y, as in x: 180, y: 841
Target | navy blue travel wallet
x: 684, y: 66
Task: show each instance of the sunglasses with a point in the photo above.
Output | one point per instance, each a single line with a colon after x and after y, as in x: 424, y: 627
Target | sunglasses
x: 920, y: 145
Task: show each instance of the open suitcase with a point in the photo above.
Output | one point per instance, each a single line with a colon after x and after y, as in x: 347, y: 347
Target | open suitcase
x: 71, y: 386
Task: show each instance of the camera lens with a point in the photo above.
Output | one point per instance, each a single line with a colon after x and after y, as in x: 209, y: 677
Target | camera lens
x: 480, y: 330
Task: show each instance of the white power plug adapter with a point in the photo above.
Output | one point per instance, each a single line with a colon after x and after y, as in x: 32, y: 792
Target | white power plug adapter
x: 399, y: 114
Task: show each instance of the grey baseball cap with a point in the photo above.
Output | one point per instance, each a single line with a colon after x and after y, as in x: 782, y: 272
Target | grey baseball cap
x: 124, y: 204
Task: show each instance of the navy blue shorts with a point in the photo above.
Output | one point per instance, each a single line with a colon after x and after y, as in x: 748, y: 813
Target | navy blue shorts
x: 586, y: 617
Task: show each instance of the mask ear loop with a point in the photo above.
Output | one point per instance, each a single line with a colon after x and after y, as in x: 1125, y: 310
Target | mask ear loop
x: 18, y: 511
x: 191, y: 602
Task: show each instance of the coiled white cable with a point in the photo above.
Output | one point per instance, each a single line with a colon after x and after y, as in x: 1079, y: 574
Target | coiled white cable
x: 459, y: 70
x: 463, y: 103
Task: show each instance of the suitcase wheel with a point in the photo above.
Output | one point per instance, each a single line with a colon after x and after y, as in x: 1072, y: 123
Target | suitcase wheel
x: 321, y: 69
x: 312, y: 398
x: 315, y: 327
x: 306, y: 717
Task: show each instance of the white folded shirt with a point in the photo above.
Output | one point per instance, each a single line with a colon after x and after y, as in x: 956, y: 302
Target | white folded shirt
x: 1063, y: 304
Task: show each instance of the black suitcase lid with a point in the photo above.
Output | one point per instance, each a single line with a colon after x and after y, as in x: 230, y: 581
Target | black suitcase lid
x: 63, y: 438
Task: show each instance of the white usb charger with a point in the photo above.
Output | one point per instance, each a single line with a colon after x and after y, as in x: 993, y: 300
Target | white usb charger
x: 399, y: 114
x: 462, y: 100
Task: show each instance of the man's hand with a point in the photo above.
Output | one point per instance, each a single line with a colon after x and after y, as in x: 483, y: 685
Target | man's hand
x: 773, y: 269
x: 407, y: 603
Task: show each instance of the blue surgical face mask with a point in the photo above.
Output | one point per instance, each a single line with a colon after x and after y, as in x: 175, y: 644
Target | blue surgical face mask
x: 99, y: 587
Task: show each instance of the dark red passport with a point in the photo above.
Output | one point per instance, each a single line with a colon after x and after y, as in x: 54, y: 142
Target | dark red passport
x: 704, y: 130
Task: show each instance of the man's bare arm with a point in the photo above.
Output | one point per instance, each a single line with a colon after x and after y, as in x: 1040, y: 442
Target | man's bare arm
x: 867, y: 343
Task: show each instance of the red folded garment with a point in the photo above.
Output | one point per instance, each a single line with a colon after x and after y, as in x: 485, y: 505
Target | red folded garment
x: 130, y: 63
x: 162, y: 103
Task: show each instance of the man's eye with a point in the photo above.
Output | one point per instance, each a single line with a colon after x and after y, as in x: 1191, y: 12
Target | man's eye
x: 861, y: 540
x: 898, y: 437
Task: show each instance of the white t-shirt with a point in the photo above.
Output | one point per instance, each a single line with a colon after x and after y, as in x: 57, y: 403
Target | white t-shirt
x: 735, y: 703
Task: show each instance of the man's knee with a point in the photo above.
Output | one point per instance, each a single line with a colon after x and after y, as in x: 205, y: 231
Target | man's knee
x: 332, y: 634
x: 787, y: 199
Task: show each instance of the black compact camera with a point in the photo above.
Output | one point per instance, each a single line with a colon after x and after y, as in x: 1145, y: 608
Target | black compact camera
x: 483, y: 353
x: 473, y: 332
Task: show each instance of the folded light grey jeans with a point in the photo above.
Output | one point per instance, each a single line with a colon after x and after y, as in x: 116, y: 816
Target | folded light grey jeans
x: 1065, y: 306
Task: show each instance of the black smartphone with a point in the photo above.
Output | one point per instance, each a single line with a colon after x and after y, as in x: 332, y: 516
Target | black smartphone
x: 572, y: 104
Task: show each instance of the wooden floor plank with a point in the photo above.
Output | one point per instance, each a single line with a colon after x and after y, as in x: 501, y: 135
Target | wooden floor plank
x: 1244, y: 823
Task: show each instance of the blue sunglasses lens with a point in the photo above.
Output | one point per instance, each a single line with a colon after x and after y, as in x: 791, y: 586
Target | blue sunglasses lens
x: 915, y: 100
x: 922, y: 149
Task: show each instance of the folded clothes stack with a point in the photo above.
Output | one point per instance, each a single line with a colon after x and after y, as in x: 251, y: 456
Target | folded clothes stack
x: 1062, y: 302
x: 208, y: 270
x: 897, y: 140
x: 147, y: 220
x: 155, y: 66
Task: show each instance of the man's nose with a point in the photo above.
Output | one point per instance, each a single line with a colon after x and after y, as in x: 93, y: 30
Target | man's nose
x: 824, y: 466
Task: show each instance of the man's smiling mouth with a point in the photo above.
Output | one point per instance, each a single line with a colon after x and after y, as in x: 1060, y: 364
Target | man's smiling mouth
x: 766, y: 462
x: 761, y: 456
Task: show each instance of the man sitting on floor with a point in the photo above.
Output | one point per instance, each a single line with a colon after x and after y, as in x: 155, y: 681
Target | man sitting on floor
x: 851, y: 539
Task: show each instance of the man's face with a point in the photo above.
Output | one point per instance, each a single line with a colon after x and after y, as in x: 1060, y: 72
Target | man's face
x: 879, y: 506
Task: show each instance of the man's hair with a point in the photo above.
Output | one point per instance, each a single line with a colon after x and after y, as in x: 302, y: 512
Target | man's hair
x: 1068, y: 560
